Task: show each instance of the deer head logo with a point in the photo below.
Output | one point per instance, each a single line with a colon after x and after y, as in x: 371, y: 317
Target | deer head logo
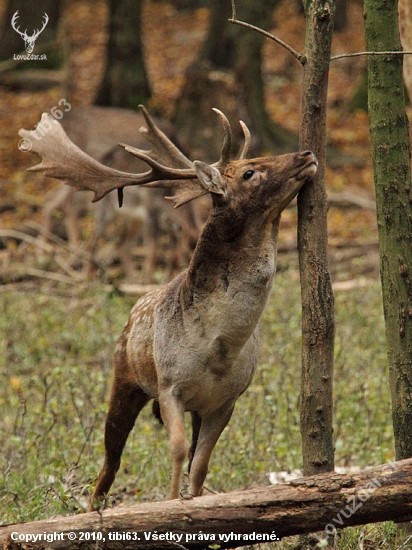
x: 29, y: 41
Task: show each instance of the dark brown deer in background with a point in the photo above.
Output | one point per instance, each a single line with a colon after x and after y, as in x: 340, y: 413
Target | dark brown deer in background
x: 97, y: 131
x: 192, y: 345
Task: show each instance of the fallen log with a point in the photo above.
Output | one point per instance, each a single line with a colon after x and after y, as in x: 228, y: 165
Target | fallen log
x: 318, y: 503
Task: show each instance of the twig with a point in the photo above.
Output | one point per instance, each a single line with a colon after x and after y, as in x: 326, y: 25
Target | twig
x: 350, y: 199
x: 300, y: 57
x: 351, y: 284
x: 68, y: 269
x: 357, y: 54
x: 79, y: 252
x: 51, y: 276
x: 35, y: 241
x: 57, y: 240
x: 13, y: 234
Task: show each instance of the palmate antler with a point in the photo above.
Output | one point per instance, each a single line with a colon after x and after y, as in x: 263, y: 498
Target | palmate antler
x: 169, y: 167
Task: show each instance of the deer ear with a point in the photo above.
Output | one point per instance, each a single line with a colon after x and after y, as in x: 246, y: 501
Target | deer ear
x: 210, y: 178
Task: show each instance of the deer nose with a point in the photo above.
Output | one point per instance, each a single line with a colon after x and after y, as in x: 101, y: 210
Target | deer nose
x: 305, y: 154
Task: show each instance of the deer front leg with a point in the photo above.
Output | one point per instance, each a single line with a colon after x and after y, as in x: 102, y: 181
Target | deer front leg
x: 172, y: 412
x: 210, y: 429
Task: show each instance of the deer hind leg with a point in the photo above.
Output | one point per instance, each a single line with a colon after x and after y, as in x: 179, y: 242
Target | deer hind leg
x: 172, y: 413
x: 196, y: 423
x: 210, y: 429
x: 126, y: 401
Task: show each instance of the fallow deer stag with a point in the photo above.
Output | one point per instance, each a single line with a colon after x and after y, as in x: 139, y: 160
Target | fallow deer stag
x: 192, y: 345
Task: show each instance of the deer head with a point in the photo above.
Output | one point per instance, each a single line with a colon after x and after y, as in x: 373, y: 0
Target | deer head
x: 29, y: 41
x: 169, y: 167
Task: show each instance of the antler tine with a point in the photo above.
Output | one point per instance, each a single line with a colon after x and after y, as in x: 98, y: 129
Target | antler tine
x: 227, y: 142
x: 163, y: 150
x: 158, y: 170
x: 244, y: 153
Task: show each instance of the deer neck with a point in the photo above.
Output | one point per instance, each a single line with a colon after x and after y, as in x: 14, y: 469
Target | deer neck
x: 231, y: 272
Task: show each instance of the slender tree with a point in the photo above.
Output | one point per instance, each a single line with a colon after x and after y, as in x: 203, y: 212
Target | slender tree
x: 317, y: 296
x: 392, y: 175
x: 125, y: 83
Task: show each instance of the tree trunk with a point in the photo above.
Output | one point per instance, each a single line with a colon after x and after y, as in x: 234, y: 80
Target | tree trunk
x: 388, y: 126
x: 83, y: 34
x: 341, y: 15
x: 124, y: 83
x: 317, y: 297
x: 318, y: 503
x: 268, y: 136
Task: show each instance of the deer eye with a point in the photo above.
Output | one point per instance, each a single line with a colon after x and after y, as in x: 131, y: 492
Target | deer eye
x: 248, y: 174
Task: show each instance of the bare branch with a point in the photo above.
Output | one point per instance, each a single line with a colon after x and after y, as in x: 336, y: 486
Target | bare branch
x: 300, y: 57
x: 51, y: 276
x: 357, y: 54
x: 13, y: 234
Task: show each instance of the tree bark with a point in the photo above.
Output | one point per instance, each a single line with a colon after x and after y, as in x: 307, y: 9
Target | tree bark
x: 318, y: 503
x: 392, y: 175
x: 317, y: 297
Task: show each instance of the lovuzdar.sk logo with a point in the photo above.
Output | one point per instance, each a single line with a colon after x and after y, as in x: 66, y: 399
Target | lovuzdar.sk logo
x: 29, y: 41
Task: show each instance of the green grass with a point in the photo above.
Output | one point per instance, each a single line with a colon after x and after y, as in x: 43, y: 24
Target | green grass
x: 55, y: 374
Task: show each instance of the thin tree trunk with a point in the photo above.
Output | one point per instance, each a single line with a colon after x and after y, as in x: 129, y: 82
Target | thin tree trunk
x: 392, y: 174
x: 318, y: 503
x: 125, y: 83
x: 317, y: 297
x: 83, y: 35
